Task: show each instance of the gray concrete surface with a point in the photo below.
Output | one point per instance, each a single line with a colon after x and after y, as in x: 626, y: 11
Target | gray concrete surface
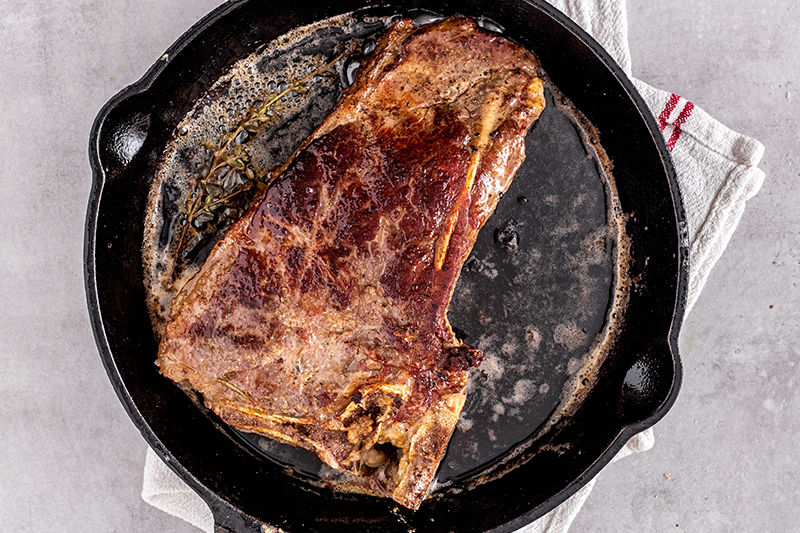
x: 725, y: 458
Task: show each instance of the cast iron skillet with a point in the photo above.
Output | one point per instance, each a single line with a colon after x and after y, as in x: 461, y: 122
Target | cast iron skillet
x: 637, y: 383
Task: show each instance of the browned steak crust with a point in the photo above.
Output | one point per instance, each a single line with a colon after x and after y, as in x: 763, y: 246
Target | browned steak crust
x: 320, y: 318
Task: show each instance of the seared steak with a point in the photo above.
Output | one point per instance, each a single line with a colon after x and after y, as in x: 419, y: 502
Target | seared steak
x: 320, y: 318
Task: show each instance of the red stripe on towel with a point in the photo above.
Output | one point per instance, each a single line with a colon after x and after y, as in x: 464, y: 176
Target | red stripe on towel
x: 676, y: 131
x: 668, y: 108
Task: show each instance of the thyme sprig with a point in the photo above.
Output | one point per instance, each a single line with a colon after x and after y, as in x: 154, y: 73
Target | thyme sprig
x: 230, y: 170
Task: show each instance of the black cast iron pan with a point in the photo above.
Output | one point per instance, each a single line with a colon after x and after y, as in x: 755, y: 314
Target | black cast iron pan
x: 530, y: 296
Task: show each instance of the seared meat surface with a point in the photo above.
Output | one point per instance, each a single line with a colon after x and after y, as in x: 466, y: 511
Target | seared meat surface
x: 319, y: 319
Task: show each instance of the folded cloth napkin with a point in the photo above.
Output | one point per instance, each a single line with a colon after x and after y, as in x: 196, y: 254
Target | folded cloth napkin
x: 717, y: 173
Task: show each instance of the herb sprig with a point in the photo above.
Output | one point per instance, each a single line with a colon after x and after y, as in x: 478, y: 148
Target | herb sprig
x: 230, y: 170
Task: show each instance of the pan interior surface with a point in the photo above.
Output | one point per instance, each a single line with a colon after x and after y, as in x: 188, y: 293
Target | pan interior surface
x: 534, y: 295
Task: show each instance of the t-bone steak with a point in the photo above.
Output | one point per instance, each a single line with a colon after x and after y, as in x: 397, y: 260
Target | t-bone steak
x: 319, y: 319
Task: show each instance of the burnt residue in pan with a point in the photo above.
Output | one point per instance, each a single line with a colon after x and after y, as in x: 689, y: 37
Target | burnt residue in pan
x: 541, y: 294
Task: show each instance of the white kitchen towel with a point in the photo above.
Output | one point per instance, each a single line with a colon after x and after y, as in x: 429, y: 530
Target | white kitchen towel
x: 717, y: 172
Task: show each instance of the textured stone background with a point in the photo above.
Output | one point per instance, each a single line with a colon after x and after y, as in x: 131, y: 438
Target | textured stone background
x: 725, y: 457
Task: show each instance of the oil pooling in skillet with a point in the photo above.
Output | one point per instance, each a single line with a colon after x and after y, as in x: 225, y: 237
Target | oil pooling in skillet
x: 535, y: 294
